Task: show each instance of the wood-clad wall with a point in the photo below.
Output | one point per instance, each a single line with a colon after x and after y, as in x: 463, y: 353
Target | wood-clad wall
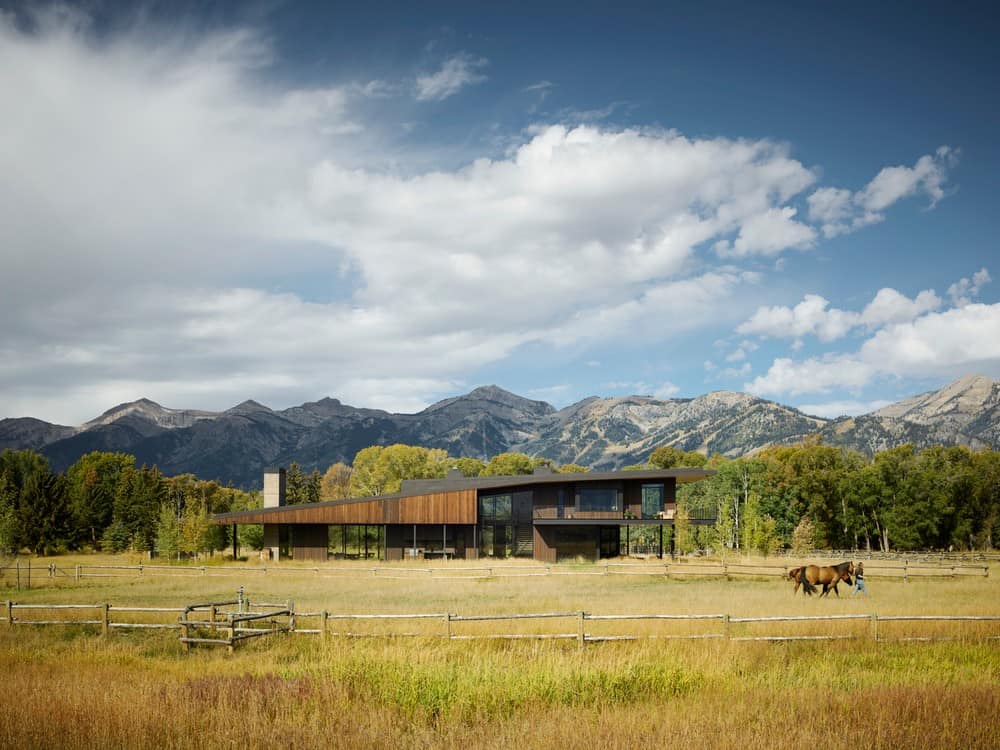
x: 456, y: 507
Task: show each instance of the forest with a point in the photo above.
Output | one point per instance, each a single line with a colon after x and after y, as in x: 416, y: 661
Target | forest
x: 800, y: 497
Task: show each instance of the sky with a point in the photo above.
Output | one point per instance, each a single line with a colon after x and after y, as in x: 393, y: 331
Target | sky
x: 394, y: 203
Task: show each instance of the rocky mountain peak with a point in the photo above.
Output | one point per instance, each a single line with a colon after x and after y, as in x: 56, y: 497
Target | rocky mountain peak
x: 147, y: 410
x: 492, y: 396
x: 961, y: 401
x: 248, y: 407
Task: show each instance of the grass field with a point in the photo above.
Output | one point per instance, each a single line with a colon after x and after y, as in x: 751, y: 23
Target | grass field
x: 69, y: 687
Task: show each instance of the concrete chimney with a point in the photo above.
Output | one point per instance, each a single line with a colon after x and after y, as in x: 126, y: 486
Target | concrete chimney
x: 274, y: 488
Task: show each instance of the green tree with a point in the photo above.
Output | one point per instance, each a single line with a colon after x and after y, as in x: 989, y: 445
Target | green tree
x: 91, y: 483
x: 573, y: 469
x: 336, y: 482
x: 672, y: 457
x: 508, y: 465
x: 380, y: 470
x: 168, y: 533
x: 684, y: 539
x: 470, y: 467
x: 804, y: 537
x: 35, y: 509
x: 295, y: 485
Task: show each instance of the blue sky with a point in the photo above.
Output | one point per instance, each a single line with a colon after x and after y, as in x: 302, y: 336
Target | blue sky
x: 394, y: 203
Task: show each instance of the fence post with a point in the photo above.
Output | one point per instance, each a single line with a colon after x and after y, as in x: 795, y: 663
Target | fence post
x: 10, y: 612
x: 875, y: 627
x: 725, y: 627
x: 185, y: 631
x: 447, y: 625
x: 324, y: 616
x: 906, y: 572
x: 291, y: 616
x: 78, y: 573
x: 581, y: 632
x: 105, y: 618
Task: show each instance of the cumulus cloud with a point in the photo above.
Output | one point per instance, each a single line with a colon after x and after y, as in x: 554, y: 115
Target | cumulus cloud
x: 455, y: 74
x: 839, y: 211
x: 813, y: 316
x: 844, y: 408
x: 963, y: 291
x: 769, y: 233
x: 948, y: 343
x: 178, y: 224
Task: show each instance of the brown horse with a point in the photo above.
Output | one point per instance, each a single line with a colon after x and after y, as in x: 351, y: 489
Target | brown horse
x: 809, y: 576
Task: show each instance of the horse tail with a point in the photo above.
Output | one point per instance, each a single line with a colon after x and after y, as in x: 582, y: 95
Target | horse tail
x: 807, y: 588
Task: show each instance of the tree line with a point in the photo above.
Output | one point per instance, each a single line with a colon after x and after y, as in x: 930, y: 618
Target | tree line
x: 804, y: 496
x: 815, y: 496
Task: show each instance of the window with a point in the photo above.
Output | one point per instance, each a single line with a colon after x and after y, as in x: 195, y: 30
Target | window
x: 652, y: 500
x: 494, y: 508
x: 600, y: 500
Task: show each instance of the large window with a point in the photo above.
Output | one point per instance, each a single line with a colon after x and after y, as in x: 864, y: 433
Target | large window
x: 600, y: 500
x: 505, y: 525
x: 652, y: 500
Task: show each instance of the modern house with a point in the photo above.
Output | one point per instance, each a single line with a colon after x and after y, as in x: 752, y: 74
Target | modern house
x: 545, y: 516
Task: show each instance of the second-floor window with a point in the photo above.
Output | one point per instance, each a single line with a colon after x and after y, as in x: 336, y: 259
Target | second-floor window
x: 600, y: 499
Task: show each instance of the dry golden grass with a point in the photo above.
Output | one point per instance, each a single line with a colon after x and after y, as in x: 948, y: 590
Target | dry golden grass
x: 69, y: 687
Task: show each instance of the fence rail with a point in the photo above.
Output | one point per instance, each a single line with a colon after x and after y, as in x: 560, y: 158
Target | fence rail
x: 214, y: 624
x: 874, y: 568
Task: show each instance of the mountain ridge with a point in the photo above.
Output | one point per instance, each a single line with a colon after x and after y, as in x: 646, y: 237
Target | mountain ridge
x: 605, y: 433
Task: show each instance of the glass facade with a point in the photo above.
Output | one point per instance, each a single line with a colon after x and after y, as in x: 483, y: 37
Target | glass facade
x: 505, y: 525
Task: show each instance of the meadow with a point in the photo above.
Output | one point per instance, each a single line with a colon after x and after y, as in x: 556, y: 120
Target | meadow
x: 70, y: 687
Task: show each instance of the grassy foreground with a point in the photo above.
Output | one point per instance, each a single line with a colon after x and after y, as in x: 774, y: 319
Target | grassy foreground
x: 71, y: 688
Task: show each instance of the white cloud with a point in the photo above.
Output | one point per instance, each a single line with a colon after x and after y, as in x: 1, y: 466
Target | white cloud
x: 666, y: 391
x: 165, y: 192
x: 839, y: 211
x: 963, y: 291
x: 889, y: 306
x: 771, y: 232
x: 813, y: 375
x: 455, y: 74
x: 846, y: 408
x: 814, y: 316
x: 949, y: 343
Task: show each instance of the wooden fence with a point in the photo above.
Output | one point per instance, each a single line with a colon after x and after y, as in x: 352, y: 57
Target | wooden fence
x: 901, y: 569
x: 228, y: 627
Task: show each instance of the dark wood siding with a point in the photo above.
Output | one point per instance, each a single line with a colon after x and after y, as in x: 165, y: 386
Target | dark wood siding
x: 458, y: 507
x: 309, y: 542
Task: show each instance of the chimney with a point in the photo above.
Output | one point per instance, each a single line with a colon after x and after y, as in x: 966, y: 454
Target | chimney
x: 274, y: 488
x: 454, y: 474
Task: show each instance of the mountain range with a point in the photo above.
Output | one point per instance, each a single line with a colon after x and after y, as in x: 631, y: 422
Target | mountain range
x: 604, y: 433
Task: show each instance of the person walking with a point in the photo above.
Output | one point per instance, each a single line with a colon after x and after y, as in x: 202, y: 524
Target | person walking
x: 859, y: 580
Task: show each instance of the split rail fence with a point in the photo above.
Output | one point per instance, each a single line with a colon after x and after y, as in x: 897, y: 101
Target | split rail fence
x: 23, y: 575
x: 233, y: 622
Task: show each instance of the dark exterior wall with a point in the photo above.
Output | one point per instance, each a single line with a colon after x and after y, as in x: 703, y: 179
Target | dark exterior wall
x: 670, y: 493
x: 547, y: 501
x: 310, y: 542
x: 545, y: 547
x: 633, y: 498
